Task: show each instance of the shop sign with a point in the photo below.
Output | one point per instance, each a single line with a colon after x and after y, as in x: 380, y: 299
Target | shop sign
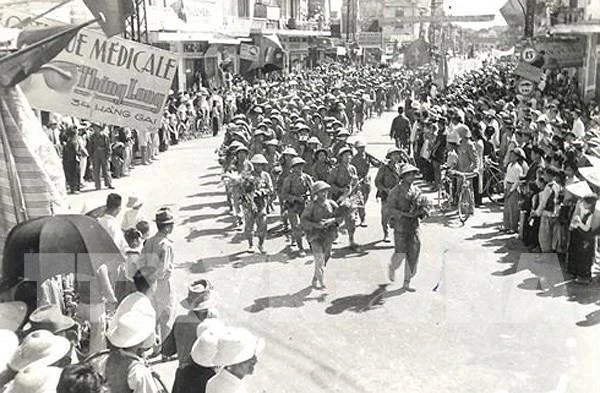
x: 108, y: 80
x: 249, y: 52
x: 369, y: 39
x: 562, y: 53
x: 529, y: 72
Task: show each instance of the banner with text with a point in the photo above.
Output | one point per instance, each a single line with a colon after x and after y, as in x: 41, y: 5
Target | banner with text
x: 108, y: 80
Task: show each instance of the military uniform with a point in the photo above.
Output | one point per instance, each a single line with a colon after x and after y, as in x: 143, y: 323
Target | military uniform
x: 320, y: 238
x: 294, y: 193
x: 255, y: 206
x: 362, y: 163
x: 340, y: 178
x: 407, y: 243
x: 387, y: 178
x: 320, y: 170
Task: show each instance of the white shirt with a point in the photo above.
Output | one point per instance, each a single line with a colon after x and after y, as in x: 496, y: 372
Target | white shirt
x: 112, y: 227
x: 514, y: 172
x: 579, y: 128
x: 130, y: 218
x: 225, y: 382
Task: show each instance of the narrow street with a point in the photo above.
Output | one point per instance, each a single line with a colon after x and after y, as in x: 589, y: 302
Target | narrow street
x: 485, y: 317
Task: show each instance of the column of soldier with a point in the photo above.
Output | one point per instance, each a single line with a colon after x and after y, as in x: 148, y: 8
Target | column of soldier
x: 297, y: 152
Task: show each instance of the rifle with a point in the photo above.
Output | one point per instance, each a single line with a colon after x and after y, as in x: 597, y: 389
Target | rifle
x: 376, y: 161
x: 345, y: 198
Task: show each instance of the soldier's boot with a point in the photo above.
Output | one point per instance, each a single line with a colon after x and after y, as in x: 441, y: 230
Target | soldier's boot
x: 261, y: 243
x: 301, y: 250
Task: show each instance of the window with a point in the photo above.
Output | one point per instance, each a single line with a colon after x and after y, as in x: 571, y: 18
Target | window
x: 243, y: 8
x: 399, y: 12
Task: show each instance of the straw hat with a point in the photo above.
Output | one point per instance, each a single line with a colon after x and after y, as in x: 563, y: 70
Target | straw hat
x: 392, y: 150
x: 39, y: 348
x: 297, y: 161
x: 131, y: 329
x: 199, y: 296
x: 259, y: 159
x: 290, y: 151
x: 35, y: 379
x: 344, y: 150
x: 237, y: 345
x: 49, y: 317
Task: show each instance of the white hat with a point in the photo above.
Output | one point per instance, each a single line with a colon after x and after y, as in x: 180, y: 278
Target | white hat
x: 134, y: 201
x: 206, y: 346
x: 580, y: 189
x: 40, y: 347
x: 35, y: 379
x: 237, y: 345
x: 131, y: 329
x: 9, y: 342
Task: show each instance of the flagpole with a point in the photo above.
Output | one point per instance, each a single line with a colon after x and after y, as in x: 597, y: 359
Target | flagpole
x: 27, y: 21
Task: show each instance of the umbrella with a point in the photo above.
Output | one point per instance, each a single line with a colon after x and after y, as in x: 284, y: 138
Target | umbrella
x: 42, y: 248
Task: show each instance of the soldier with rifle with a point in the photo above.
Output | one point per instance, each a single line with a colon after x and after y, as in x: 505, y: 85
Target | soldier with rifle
x: 294, y: 193
x: 388, y: 177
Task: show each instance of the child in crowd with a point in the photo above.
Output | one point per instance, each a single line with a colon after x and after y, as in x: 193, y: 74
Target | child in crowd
x: 144, y: 228
x: 124, y: 284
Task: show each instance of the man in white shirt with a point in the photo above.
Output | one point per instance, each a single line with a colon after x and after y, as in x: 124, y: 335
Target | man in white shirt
x: 578, y: 126
x: 110, y: 223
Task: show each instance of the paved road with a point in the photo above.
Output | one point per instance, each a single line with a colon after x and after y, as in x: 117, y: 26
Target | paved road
x: 497, y: 321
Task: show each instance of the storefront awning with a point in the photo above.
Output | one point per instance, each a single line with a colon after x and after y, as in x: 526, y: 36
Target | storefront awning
x: 178, y: 36
x: 582, y: 28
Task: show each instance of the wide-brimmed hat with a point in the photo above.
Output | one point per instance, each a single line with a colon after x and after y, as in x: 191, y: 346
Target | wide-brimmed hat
x: 131, y: 329
x: 290, y: 151
x: 39, y: 348
x: 519, y: 152
x: 272, y: 142
x: 35, y: 379
x: 580, y: 189
x: 297, y: 161
x: 9, y: 342
x: 392, y: 150
x: 49, y: 317
x: 343, y: 151
x: 359, y: 143
x: 313, y: 140
x: 12, y: 315
x: 200, y: 296
x: 237, y: 345
x: 320, y: 186
x: 259, y: 159
x: 591, y: 174
x: 343, y: 134
x: 134, y: 201
x: 164, y: 216
x: 408, y: 168
x: 205, y: 348
x: 240, y: 149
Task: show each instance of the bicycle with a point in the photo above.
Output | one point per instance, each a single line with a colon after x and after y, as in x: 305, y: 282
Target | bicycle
x: 494, y: 182
x: 448, y: 197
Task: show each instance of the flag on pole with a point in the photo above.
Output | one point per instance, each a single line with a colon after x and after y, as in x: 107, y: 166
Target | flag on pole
x: 179, y: 9
x: 111, y: 14
x: 513, y: 11
x: 34, y: 52
x: 32, y: 182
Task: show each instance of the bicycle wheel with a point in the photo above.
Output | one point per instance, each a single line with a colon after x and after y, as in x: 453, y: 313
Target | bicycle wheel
x: 442, y: 200
x: 464, y: 205
x: 494, y: 189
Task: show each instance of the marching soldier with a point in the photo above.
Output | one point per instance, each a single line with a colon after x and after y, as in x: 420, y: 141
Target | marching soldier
x: 254, y: 201
x: 362, y: 162
x: 341, y: 142
x: 287, y: 156
x: 320, y: 223
x: 343, y: 180
x: 406, y: 207
x: 322, y: 166
x: 388, y: 177
x: 240, y: 167
x: 295, y: 191
x: 312, y: 144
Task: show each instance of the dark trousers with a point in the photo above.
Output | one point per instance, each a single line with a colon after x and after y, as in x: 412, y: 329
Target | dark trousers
x: 100, y: 168
x: 477, y: 198
x: 72, y: 174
